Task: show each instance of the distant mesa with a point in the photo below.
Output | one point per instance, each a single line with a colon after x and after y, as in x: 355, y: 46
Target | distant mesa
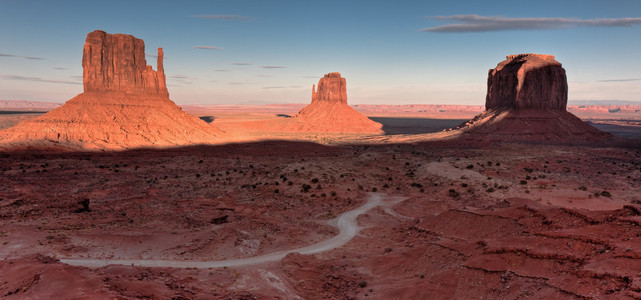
x: 329, y: 112
x: 526, y: 100
x: 125, y: 105
x: 331, y: 88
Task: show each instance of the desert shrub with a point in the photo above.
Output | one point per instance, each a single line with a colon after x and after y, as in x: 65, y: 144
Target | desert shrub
x: 453, y: 193
x: 470, y: 166
x: 522, y: 182
x: 306, y: 187
x: 315, y: 180
x: 606, y: 194
x: 583, y: 188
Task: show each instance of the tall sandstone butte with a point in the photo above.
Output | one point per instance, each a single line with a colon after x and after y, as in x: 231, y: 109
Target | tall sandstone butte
x: 331, y: 88
x: 116, y: 62
x: 526, y: 100
x: 125, y: 105
x: 329, y: 112
x: 527, y: 81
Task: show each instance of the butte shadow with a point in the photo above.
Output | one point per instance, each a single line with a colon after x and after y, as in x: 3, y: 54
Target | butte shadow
x: 125, y: 104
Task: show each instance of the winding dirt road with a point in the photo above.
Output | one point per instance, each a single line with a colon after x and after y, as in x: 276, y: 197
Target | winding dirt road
x: 346, y: 224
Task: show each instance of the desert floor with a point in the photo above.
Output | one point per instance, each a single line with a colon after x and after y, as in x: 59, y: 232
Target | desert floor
x: 508, y: 221
x: 499, y: 221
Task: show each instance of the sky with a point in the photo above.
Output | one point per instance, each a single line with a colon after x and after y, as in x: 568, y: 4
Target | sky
x: 270, y: 51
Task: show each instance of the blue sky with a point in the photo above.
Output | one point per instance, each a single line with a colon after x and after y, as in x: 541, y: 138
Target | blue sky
x: 391, y: 52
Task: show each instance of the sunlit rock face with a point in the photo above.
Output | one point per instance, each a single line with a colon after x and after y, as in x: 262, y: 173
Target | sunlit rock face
x: 331, y: 88
x: 527, y: 81
x: 116, y: 62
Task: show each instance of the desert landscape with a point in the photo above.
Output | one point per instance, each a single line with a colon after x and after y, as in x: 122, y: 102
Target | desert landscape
x: 120, y: 193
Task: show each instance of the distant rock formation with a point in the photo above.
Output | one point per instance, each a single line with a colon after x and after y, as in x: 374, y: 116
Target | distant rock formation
x: 329, y: 112
x: 125, y: 105
x: 331, y: 88
x: 526, y: 100
x: 527, y: 81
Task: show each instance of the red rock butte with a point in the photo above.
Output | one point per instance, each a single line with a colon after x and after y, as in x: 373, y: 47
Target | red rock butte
x: 527, y: 81
x: 116, y: 62
x: 526, y: 100
x: 329, y: 112
x: 125, y: 105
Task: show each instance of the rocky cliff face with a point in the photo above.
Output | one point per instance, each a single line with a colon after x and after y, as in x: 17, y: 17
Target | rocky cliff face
x: 116, y: 62
x: 331, y: 88
x: 527, y: 81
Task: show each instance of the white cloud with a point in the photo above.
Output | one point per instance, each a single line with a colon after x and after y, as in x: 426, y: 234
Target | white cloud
x: 476, y: 23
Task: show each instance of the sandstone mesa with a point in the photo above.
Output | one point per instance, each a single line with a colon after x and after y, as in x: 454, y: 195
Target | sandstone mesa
x: 526, y: 100
x: 125, y: 105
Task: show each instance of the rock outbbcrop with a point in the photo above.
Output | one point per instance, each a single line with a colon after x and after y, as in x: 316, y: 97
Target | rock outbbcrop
x: 526, y: 100
x: 125, y: 105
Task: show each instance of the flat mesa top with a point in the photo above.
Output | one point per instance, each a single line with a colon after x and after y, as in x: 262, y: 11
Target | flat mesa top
x: 530, y: 59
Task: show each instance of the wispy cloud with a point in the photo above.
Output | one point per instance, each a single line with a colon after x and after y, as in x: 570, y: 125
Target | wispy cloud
x: 19, y: 56
x: 223, y: 17
x: 620, y: 80
x: 208, y: 47
x: 36, y: 79
x: 222, y: 70
x: 281, y: 87
x: 272, y: 67
x: 59, y: 68
x: 240, y: 64
x: 178, y: 79
x: 151, y: 55
x: 476, y: 23
x: 261, y: 75
x: 240, y: 83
